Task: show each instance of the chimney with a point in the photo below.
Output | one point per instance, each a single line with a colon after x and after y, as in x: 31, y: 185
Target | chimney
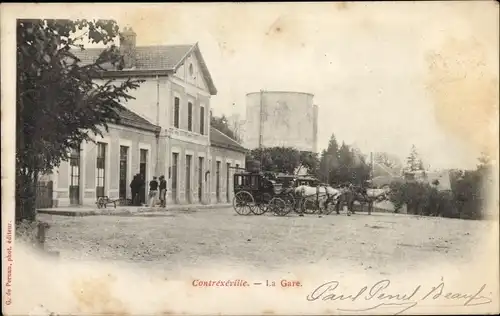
x: 127, y: 47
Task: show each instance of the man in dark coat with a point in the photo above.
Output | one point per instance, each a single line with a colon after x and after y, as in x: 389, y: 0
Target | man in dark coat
x: 134, y: 188
x: 142, y: 189
x: 163, y: 192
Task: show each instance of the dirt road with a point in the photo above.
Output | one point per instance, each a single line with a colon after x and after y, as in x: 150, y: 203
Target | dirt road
x: 150, y: 263
x: 171, y: 239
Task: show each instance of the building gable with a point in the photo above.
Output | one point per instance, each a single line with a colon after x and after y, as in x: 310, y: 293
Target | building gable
x: 159, y: 60
x: 193, y: 70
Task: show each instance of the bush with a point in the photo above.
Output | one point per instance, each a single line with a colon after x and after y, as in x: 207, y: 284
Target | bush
x: 29, y: 233
x: 468, y: 196
x: 464, y: 201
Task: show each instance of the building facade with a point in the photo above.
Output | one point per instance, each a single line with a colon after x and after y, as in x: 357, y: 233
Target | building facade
x: 281, y: 118
x: 165, y: 130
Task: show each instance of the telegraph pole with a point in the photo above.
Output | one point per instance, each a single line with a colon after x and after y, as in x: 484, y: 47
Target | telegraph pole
x: 261, y: 127
x: 261, y: 118
x: 372, y: 166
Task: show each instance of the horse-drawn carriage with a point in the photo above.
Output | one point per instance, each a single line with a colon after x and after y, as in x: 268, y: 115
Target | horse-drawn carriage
x: 258, y: 192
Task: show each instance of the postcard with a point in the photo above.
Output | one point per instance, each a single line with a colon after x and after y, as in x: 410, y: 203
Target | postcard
x: 329, y: 158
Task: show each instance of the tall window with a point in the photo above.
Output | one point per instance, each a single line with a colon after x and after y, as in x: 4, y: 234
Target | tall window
x: 190, y: 116
x: 188, y: 178
x: 202, y: 120
x: 101, y: 169
x: 123, y: 171
x: 74, y: 186
x: 217, y: 181
x: 143, y: 167
x: 175, y: 162
x: 228, y: 172
x: 200, y: 178
x: 143, y: 161
x: 176, y: 112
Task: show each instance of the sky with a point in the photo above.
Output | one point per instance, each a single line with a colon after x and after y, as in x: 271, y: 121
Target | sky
x: 384, y: 75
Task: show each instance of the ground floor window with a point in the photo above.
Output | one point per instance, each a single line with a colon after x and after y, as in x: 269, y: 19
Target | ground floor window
x: 228, y: 172
x: 123, y: 171
x: 74, y: 185
x: 175, y: 163
x: 217, y: 181
x: 200, y: 178
x: 101, y: 169
x: 188, y: 178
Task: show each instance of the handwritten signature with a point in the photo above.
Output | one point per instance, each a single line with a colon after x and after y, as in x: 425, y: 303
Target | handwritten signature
x: 380, y: 294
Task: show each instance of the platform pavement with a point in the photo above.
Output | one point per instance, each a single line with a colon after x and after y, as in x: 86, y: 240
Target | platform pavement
x: 126, y: 210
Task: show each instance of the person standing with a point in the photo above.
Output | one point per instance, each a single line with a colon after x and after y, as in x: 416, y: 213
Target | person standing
x: 134, y: 188
x: 153, y: 192
x: 163, y: 191
x: 142, y: 189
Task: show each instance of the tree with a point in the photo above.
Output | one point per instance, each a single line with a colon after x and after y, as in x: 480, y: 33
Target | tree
x: 308, y: 160
x: 388, y: 161
x: 59, y: 105
x: 329, y: 162
x: 222, y: 125
x: 323, y: 169
x: 464, y: 201
x: 345, y: 164
x: 283, y: 159
x: 360, y: 169
x: 413, y: 161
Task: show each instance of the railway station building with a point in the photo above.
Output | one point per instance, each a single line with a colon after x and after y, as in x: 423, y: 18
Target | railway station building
x: 165, y: 131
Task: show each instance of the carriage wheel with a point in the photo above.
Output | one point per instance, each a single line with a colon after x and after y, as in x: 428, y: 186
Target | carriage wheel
x: 100, y: 203
x: 290, y: 200
x: 297, y: 207
x: 279, y: 207
x: 309, y: 205
x: 263, y: 204
x: 329, y: 206
x: 243, y: 203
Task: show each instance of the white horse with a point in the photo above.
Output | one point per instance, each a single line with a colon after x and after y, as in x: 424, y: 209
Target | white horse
x: 378, y: 194
x: 305, y: 191
x: 323, y: 195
